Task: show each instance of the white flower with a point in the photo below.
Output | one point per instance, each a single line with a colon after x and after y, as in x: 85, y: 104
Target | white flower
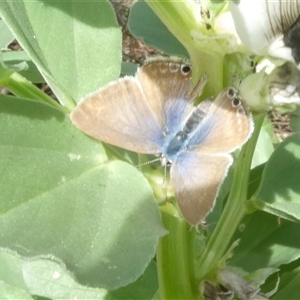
x: 269, y: 27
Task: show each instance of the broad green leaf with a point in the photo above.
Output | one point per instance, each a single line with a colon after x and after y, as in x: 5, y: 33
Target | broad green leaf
x: 10, y: 292
x: 12, y: 284
x: 289, y: 285
x: 144, y: 288
x: 78, y: 52
x: 41, y: 277
x: 61, y: 196
x: 279, y: 192
x: 255, y: 178
x: 50, y: 279
x: 265, y: 241
x: 6, y: 37
x: 128, y: 68
x: 144, y: 24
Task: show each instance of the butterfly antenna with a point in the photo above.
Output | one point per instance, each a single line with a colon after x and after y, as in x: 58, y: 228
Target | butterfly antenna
x: 148, y: 162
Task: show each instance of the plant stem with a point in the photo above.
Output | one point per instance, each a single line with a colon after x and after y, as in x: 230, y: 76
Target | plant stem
x: 175, y: 259
x: 21, y: 87
x: 234, y: 210
x: 213, y: 70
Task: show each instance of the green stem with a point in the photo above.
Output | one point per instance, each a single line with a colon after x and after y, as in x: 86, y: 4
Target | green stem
x: 178, y: 17
x: 210, y: 64
x: 175, y: 259
x: 234, y: 210
x: 21, y: 87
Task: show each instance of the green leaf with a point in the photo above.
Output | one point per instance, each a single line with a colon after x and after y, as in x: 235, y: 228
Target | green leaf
x: 144, y: 288
x: 265, y: 241
x: 143, y: 23
x: 10, y: 292
x: 50, y: 279
x: 6, y: 37
x: 45, y: 278
x: 288, y: 285
x: 17, y: 57
x: 263, y: 150
x: 76, y: 54
x: 255, y: 178
x: 279, y: 191
x: 12, y: 284
x: 61, y: 196
x: 128, y: 68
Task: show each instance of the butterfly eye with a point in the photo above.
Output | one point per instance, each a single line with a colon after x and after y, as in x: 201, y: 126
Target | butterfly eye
x: 186, y: 69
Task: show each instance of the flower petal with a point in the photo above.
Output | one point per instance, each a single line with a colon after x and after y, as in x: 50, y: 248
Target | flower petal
x: 269, y: 27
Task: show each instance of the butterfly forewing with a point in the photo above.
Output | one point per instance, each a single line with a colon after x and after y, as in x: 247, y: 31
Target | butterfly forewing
x: 120, y: 115
x: 164, y: 82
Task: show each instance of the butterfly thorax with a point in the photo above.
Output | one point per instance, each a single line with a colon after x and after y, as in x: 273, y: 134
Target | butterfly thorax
x: 181, y: 138
x: 176, y: 144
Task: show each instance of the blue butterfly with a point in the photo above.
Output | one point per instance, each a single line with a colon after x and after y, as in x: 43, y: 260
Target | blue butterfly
x: 154, y: 113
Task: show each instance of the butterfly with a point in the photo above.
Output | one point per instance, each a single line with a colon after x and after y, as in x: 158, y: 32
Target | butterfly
x: 153, y: 112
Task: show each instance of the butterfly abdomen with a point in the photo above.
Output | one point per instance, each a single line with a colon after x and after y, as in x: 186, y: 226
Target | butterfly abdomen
x: 194, y: 120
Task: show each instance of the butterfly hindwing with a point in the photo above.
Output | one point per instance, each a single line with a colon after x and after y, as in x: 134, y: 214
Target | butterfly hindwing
x: 196, y: 179
x: 202, y: 164
x: 226, y: 126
